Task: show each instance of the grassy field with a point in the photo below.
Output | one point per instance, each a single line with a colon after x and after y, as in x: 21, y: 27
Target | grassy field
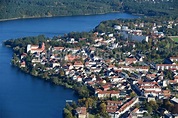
x: 174, y: 38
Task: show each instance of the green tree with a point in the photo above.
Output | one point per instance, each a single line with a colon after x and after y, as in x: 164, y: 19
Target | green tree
x: 133, y: 94
x: 67, y: 113
x: 89, y: 103
x: 102, y: 108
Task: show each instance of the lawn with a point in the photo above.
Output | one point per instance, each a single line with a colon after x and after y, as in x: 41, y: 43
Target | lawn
x: 175, y: 38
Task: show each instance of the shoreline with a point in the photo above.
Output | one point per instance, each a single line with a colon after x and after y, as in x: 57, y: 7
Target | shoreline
x: 36, y: 17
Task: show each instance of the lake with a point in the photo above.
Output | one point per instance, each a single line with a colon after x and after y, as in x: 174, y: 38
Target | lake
x: 24, y: 96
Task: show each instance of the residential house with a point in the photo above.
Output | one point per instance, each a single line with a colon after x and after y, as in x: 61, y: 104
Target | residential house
x: 78, y: 64
x: 35, y: 48
x: 81, y: 112
x: 173, y: 59
x: 129, y: 61
x: 142, y: 68
x: 71, y: 57
x: 109, y: 94
x: 22, y: 64
x: 58, y: 48
x: 112, y: 108
x: 150, y: 88
x: 167, y: 66
x: 125, y: 107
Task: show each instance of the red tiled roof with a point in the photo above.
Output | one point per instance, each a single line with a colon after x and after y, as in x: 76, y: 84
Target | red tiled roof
x: 78, y: 63
x: 176, y: 77
x: 58, y: 48
x: 81, y: 110
x: 130, y: 59
x: 113, y: 102
x: 126, y: 105
x: 143, y: 67
x: 174, y: 57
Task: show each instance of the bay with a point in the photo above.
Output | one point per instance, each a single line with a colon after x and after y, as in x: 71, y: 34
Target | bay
x: 24, y: 96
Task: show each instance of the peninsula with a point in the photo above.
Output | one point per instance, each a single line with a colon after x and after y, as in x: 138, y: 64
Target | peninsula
x: 123, y: 68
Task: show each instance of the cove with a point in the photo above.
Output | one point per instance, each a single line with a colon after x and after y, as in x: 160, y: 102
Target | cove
x: 24, y: 96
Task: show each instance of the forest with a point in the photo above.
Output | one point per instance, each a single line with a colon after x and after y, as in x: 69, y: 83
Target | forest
x: 47, y: 8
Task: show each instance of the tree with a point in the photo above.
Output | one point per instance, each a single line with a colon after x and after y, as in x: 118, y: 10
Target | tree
x: 102, y: 108
x: 55, y: 80
x: 175, y: 109
x: 34, y: 72
x: 168, y: 74
x: 74, y: 105
x: 68, y: 107
x: 132, y: 94
x: 89, y: 103
x: 67, y: 113
x: 168, y: 105
x: 153, y: 104
x: 149, y: 108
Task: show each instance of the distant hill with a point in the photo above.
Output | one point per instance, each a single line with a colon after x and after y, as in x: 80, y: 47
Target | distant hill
x: 47, y: 8
x: 151, y: 7
x: 43, y: 8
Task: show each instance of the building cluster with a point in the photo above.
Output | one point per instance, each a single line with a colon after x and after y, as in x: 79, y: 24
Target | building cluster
x: 109, y: 78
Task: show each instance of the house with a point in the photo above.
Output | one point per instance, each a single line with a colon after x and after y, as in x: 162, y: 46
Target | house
x: 112, y: 108
x: 72, y: 40
x: 129, y: 61
x: 106, y: 87
x: 111, y: 67
x: 79, y: 79
x: 23, y: 55
x: 128, y: 68
x: 117, y: 27
x: 58, y: 48
x: 173, y: 59
x: 36, y: 60
x: 81, y: 112
x: 22, y: 64
x: 78, y: 64
x: 55, y: 64
x: 167, y: 66
x: 166, y: 93
x: 98, y: 39
x: 121, y: 62
x: 151, y: 76
x: 35, y: 48
x: 71, y: 57
x: 97, y: 91
x: 105, y: 94
x: 150, y: 88
x: 142, y: 68
x: 168, y: 115
x: 125, y: 107
x: 174, y: 100
x: 150, y: 98
x: 70, y: 66
x: 137, y: 113
x: 90, y: 63
x: 116, y: 79
x: 113, y: 103
x: 176, y: 78
x: 138, y: 37
x: 114, y: 94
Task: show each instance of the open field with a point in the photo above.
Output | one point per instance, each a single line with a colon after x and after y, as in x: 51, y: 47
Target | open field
x: 174, y: 38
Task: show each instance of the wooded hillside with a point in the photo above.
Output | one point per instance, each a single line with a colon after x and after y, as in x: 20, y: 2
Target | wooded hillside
x: 46, y: 8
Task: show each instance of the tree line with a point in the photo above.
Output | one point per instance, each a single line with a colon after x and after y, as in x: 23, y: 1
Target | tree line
x: 46, y: 8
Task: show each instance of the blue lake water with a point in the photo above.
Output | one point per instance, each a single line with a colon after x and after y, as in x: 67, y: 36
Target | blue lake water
x: 24, y: 96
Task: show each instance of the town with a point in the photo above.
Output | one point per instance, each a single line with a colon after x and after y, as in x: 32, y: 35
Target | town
x: 130, y: 67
